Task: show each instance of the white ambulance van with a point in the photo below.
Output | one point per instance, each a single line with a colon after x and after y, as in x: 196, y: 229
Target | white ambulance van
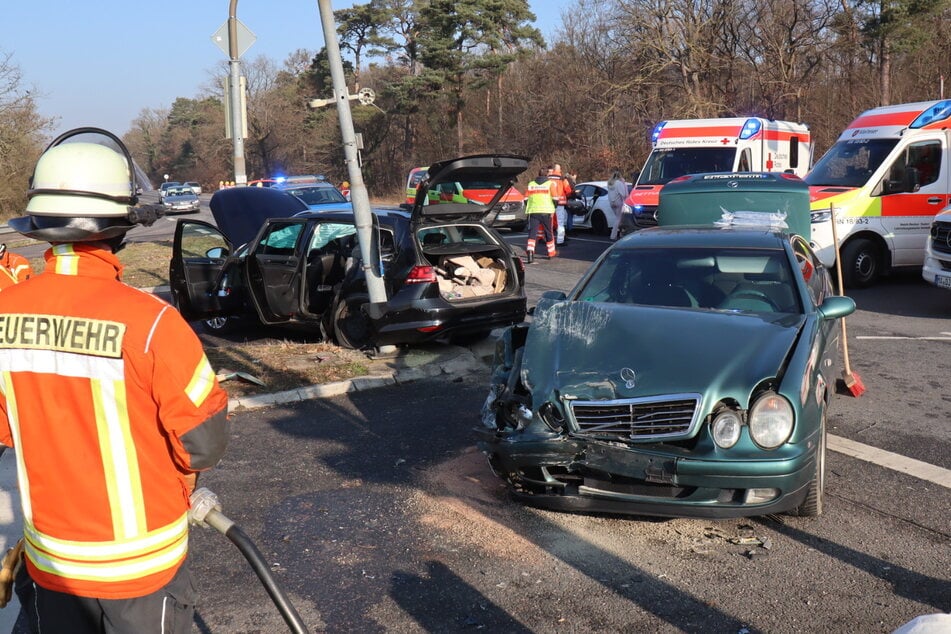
x: 695, y: 146
x: 885, y: 179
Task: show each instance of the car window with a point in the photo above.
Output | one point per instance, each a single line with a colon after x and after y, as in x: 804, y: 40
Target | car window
x: 325, y: 232
x: 453, y: 234
x: 318, y: 195
x: 812, y: 272
x: 280, y: 239
x: 740, y: 280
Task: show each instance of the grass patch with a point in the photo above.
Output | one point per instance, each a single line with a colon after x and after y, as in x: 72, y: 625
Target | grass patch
x: 145, y: 264
x: 284, y: 365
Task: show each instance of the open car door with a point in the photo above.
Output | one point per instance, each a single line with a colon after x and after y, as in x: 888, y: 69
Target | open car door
x: 202, y: 272
x: 274, y: 269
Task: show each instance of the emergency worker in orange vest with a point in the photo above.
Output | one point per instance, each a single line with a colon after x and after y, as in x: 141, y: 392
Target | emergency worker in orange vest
x: 539, y: 208
x: 111, y: 406
x: 14, y: 268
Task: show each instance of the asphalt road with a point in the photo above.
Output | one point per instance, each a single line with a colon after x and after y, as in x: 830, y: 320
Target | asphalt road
x: 375, y: 512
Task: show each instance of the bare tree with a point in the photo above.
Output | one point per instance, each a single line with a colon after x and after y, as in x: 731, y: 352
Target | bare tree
x: 22, y: 131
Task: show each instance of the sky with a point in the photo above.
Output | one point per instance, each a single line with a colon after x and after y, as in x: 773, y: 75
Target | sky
x: 101, y: 62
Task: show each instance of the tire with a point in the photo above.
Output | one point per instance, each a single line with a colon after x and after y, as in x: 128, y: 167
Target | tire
x: 518, y: 227
x: 220, y: 325
x: 599, y: 224
x: 351, y: 325
x: 862, y: 263
x: 812, y: 505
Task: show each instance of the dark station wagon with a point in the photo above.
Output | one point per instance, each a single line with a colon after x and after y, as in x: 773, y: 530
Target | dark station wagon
x: 271, y: 260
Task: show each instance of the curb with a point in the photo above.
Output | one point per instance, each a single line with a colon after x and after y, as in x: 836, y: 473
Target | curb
x: 462, y: 365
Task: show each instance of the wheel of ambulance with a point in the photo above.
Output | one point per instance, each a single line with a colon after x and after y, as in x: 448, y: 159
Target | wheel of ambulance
x: 351, y: 325
x: 812, y: 505
x: 862, y: 263
x: 599, y: 224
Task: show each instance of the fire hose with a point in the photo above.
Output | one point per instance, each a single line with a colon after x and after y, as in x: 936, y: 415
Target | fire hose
x: 206, y: 511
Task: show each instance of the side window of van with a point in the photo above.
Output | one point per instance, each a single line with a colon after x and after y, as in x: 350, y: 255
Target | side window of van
x: 924, y: 157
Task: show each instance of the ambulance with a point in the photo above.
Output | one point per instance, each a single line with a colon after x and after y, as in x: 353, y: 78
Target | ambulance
x: 695, y: 146
x: 883, y: 181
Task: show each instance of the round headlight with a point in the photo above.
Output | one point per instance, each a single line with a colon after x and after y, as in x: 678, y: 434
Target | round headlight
x: 726, y: 429
x: 771, y: 421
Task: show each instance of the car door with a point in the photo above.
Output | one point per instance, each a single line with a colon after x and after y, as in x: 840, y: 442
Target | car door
x: 203, y: 272
x: 274, y: 269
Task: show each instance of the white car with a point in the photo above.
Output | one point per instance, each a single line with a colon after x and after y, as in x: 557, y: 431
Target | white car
x: 937, y: 267
x: 196, y: 187
x: 596, y: 213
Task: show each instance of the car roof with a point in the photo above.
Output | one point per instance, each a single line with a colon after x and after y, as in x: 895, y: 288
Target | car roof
x: 699, y: 236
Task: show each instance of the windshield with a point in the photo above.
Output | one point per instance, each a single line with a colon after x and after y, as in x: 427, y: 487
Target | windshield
x: 850, y: 163
x: 663, y: 165
x: 738, y: 280
x: 318, y: 195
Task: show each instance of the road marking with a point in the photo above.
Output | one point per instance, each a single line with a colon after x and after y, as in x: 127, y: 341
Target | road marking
x: 897, y: 338
x: 889, y: 460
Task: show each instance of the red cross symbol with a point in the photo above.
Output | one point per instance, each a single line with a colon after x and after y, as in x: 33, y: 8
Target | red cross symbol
x: 725, y: 141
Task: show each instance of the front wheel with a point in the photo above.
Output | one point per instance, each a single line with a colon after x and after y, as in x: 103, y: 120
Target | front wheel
x: 862, y: 263
x: 351, y: 324
x: 812, y: 505
x: 221, y: 325
x: 599, y: 224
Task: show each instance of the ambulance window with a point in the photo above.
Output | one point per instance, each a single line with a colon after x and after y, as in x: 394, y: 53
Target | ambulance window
x: 793, y: 151
x: 744, y: 165
x: 924, y: 157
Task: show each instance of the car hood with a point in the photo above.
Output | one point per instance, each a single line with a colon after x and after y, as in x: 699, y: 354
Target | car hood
x: 498, y: 168
x: 240, y: 211
x: 589, y: 350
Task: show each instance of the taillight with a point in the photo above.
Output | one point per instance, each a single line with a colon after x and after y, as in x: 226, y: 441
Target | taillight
x: 421, y: 275
x: 519, y: 265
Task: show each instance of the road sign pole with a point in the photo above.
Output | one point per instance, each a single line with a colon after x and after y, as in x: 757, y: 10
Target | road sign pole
x: 358, y: 189
x: 234, y: 95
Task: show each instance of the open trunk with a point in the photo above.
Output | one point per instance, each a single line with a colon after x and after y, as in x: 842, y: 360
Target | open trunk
x: 470, y: 271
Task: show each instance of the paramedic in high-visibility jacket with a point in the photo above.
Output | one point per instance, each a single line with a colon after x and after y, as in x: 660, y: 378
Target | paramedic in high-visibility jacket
x: 110, y: 404
x: 539, y: 208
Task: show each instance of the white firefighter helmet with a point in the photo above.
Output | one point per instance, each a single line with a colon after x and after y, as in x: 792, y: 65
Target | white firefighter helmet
x: 83, y: 190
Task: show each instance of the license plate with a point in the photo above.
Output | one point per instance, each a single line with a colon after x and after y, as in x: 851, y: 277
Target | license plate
x: 944, y: 281
x: 506, y: 216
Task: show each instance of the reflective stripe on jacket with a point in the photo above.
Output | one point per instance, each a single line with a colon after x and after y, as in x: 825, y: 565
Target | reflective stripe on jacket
x: 109, y: 400
x: 539, y: 198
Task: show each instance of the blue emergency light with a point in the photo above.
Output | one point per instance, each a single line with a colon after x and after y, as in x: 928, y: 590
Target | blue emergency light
x: 751, y: 128
x: 655, y: 134
x: 937, y: 112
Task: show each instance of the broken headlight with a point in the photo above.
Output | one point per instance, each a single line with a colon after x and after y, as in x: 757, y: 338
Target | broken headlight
x: 725, y: 428
x: 552, y: 416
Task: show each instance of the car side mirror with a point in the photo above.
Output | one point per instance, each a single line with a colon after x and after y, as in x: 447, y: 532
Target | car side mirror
x: 216, y: 253
x: 836, y: 306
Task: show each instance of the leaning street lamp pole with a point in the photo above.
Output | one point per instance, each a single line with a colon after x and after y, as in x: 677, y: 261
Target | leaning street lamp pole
x: 358, y: 189
x: 237, y: 129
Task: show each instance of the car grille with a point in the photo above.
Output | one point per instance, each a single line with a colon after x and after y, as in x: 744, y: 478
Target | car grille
x: 941, y: 237
x: 646, y: 216
x: 636, y: 419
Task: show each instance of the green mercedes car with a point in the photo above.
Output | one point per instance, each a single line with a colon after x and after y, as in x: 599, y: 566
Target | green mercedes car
x: 688, y: 374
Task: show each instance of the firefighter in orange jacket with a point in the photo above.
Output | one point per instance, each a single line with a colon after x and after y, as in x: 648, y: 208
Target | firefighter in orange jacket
x: 110, y: 403
x: 14, y: 268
